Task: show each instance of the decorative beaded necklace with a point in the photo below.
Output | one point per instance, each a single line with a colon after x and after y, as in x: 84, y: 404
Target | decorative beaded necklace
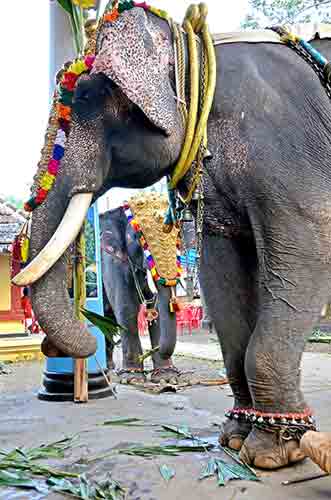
x: 147, y: 254
x: 63, y: 103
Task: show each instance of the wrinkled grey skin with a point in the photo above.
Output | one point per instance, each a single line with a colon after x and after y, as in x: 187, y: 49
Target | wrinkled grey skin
x: 266, y: 249
x: 119, y: 243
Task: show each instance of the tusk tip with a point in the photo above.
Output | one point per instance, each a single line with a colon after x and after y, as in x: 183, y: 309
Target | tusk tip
x: 18, y: 281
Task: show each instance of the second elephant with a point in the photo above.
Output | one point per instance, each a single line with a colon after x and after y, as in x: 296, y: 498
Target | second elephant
x: 127, y: 285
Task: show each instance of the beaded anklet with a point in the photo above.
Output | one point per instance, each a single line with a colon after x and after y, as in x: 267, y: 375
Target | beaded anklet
x: 259, y: 417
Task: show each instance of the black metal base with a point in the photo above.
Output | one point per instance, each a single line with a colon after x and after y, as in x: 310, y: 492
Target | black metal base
x: 60, y: 387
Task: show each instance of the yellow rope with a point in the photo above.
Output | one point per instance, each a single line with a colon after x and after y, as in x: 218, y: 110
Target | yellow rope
x: 195, y: 20
x: 194, y: 97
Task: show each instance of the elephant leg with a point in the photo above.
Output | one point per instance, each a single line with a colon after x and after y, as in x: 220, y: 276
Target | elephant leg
x: 163, y: 334
x: 228, y: 279
x: 124, y: 301
x: 132, y: 369
x: 163, y: 369
x: 293, y: 287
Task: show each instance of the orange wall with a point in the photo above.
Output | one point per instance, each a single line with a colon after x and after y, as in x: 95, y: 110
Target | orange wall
x: 5, y: 291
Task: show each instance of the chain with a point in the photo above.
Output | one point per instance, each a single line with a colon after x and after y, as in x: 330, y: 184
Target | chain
x: 199, y: 232
x: 141, y: 295
x: 198, y: 181
x: 306, y: 56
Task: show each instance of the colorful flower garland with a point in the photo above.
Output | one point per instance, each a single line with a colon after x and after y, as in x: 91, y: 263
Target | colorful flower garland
x: 148, y: 256
x: 64, y: 96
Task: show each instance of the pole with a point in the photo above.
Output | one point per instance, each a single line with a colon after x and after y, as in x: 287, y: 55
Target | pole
x: 80, y: 376
x: 61, y: 47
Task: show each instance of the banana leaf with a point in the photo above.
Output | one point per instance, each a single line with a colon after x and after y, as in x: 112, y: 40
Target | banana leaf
x: 85, y: 490
x: 151, y: 451
x: 49, y: 450
x: 106, y: 325
x: 19, y: 480
x: 167, y: 472
x: 66, y: 5
x: 209, y: 469
x: 182, y: 431
x: 129, y: 422
x: 226, y: 472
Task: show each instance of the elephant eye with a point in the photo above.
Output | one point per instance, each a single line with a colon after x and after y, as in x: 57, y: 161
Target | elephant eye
x: 83, y: 96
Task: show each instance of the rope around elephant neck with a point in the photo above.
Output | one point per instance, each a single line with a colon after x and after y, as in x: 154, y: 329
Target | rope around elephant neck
x: 196, y: 130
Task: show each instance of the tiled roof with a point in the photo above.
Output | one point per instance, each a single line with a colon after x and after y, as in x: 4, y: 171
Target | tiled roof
x: 11, y: 221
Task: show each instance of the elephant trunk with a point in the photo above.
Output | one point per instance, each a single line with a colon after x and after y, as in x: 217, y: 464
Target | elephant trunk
x: 53, y: 228
x: 51, y: 304
x: 168, y: 334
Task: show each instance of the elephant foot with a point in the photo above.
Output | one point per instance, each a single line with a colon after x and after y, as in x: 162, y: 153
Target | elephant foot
x: 50, y: 350
x: 234, y: 433
x: 165, y: 375
x: 268, y: 450
x: 317, y: 446
x: 132, y: 376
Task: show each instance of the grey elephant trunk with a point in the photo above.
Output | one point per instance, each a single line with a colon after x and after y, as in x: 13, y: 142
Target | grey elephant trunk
x: 167, y: 325
x: 46, y: 272
x: 51, y: 304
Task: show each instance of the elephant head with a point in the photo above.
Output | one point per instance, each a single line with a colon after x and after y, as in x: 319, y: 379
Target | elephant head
x: 125, y: 131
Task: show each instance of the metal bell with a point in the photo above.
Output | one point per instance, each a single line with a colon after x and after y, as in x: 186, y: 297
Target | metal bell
x: 196, y: 194
x: 207, y: 155
x: 186, y: 215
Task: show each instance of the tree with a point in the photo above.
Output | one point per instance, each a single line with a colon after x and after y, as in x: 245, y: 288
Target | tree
x: 272, y: 12
x: 15, y: 202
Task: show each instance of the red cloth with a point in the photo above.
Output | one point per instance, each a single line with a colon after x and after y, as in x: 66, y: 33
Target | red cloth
x: 26, y: 306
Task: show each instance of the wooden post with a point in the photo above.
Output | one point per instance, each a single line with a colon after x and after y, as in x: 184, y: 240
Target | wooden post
x: 80, y: 375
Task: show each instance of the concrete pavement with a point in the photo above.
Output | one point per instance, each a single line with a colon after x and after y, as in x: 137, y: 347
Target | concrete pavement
x: 25, y: 421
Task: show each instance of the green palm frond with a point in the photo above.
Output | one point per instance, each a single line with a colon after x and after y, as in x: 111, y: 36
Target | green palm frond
x: 106, y: 325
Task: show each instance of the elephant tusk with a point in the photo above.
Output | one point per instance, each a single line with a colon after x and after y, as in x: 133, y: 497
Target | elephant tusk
x: 64, y: 235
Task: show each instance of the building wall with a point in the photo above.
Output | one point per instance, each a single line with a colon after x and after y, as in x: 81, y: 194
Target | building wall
x: 11, y: 313
x: 5, y: 287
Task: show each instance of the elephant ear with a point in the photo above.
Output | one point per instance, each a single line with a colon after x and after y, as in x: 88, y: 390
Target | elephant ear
x: 136, y: 54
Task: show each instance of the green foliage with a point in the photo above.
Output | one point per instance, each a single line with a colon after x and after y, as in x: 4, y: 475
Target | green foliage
x: 167, y: 472
x: 18, y: 470
x: 16, y: 202
x: 271, y: 12
x: 127, y: 422
x: 66, y: 5
x: 106, y: 325
x: 226, y: 472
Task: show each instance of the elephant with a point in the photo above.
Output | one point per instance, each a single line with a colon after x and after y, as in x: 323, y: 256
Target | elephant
x: 265, y: 256
x: 127, y: 282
